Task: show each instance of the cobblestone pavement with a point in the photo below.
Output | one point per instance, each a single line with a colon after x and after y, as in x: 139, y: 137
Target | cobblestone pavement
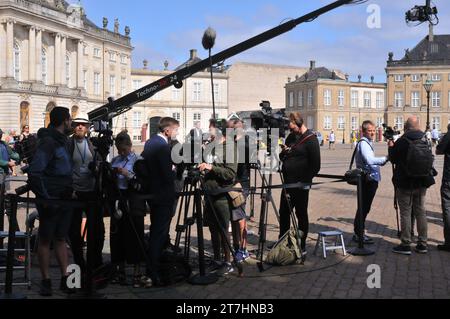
x: 332, y: 206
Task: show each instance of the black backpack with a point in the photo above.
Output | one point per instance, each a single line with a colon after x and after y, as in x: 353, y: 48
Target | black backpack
x: 420, y: 159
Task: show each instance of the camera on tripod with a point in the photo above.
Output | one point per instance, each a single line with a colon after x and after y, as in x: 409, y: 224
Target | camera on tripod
x: 268, y: 119
x: 421, y: 14
x: 389, y: 132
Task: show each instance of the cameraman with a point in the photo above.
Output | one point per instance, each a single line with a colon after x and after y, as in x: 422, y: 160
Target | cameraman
x: 413, y: 160
x: 220, y: 174
x: 301, y: 163
x: 82, y: 154
x: 50, y: 177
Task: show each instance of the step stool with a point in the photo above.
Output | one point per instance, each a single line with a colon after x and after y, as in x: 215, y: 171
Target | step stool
x: 322, y: 241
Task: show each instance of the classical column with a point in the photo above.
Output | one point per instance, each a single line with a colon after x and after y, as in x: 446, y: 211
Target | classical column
x: 38, y: 51
x: 63, y: 59
x: 58, y: 65
x: 10, y: 49
x: 80, y: 55
x: 32, y: 54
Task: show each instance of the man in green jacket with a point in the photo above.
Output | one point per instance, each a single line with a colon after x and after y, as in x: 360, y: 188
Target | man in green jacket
x: 219, y: 174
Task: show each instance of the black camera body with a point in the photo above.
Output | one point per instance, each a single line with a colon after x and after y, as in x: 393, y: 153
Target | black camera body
x: 268, y: 119
x: 389, y: 132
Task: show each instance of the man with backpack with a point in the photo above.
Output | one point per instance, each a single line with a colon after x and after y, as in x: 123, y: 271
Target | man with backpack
x: 444, y: 149
x: 413, y: 174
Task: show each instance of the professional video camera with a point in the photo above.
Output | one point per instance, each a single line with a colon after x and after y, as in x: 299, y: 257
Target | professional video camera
x: 268, y: 119
x: 421, y: 14
x: 389, y: 132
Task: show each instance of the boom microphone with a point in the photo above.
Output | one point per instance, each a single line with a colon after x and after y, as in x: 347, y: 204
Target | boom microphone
x: 209, y: 38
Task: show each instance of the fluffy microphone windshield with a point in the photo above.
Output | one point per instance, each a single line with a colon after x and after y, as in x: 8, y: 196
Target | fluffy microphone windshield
x: 209, y: 38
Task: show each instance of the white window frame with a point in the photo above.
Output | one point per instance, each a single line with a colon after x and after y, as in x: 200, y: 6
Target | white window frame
x: 380, y: 122
x: 436, y: 122
x: 112, y: 56
x: 123, y: 86
x: 327, y: 122
x: 367, y: 99
x: 197, y: 117
x: 17, y: 62
x: 44, y: 66
x: 291, y: 99
x: 399, y: 122
x: 341, y: 122
x: 112, y: 85
x: 137, y: 120
x: 68, y: 66
x: 97, y: 52
x: 341, y: 98
x: 415, y: 77
x: 327, y: 97
x: 355, y: 99
x: 96, y: 83
x: 301, y: 101
x: 197, y: 91
x: 436, y: 99
x: 354, y: 123
x: 310, y: 97
x: 399, y: 78
x: 380, y: 100
x: 85, y: 79
x: 123, y: 59
x: 436, y: 77
x: 175, y: 94
x: 415, y: 99
x: 399, y: 99
x: 176, y: 116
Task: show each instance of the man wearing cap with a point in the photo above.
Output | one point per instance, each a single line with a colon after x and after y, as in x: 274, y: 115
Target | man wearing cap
x: 82, y: 154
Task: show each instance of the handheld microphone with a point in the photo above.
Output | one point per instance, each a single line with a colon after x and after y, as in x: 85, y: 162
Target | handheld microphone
x: 209, y: 38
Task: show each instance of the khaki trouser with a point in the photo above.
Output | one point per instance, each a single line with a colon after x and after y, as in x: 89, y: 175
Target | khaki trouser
x: 412, y: 201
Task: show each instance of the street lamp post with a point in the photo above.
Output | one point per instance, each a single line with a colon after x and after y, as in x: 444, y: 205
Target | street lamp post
x: 428, y: 87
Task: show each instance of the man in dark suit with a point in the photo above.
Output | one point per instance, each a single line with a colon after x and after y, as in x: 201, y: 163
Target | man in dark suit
x: 157, y: 154
x: 196, y: 140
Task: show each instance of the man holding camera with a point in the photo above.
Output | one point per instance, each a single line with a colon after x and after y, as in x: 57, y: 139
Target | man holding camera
x: 157, y: 154
x: 50, y: 178
x: 82, y: 153
x: 8, y: 159
x: 413, y: 159
x: 444, y: 149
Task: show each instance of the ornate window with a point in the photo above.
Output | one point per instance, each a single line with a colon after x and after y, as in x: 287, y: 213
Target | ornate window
x: 44, y: 66
x: 16, y: 61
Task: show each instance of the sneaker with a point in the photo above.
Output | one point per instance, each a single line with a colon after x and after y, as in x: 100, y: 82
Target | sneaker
x: 444, y: 247
x: 240, y: 256
x: 46, y: 288
x: 421, y: 249
x: 64, y: 288
x: 226, y: 269
x: 403, y: 250
x: 246, y: 254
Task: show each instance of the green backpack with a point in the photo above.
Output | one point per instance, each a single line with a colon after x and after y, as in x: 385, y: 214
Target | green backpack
x: 286, y: 251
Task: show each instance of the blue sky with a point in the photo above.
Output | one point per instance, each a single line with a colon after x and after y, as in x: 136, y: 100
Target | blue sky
x: 163, y: 30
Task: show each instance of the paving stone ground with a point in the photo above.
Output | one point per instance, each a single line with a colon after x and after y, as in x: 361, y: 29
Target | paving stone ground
x: 332, y: 206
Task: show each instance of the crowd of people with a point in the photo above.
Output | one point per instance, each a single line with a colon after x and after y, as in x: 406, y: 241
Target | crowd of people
x: 66, y: 163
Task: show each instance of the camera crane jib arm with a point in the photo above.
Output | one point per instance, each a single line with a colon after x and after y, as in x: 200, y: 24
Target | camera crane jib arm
x: 115, y: 108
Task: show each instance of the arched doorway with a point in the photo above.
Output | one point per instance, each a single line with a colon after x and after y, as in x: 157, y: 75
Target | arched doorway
x: 24, y: 114
x: 74, y: 111
x: 48, y: 109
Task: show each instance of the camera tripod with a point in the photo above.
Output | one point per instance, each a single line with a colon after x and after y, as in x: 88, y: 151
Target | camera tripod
x: 194, y: 186
x: 266, y: 196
